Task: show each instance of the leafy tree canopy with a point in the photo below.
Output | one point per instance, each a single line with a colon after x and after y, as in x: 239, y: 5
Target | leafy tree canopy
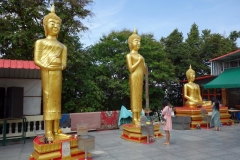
x: 21, y: 24
x: 196, y: 50
x: 112, y: 76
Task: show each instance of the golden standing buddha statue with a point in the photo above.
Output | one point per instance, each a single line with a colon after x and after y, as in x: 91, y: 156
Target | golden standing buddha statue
x: 137, y: 69
x: 192, y: 92
x: 51, y: 56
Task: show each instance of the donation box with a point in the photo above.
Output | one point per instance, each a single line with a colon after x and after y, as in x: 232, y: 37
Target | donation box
x: 86, y: 143
x: 147, y: 129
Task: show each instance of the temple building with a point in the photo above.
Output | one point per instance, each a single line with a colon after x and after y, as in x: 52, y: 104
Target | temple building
x: 224, y: 81
x: 227, y: 70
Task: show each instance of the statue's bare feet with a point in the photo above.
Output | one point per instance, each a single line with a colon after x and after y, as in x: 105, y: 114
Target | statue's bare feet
x: 60, y: 135
x: 136, y: 122
x: 48, y: 137
x: 63, y: 135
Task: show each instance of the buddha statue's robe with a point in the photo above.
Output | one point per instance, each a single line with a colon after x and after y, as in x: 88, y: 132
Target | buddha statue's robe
x: 50, y: 56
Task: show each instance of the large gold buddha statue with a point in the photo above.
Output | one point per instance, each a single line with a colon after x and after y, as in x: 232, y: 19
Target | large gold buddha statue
x: 137, y: 69
x: 51, y: 56
x: 192, y: 92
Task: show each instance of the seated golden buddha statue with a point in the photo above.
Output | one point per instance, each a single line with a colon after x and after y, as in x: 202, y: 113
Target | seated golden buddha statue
x: 192, y: 92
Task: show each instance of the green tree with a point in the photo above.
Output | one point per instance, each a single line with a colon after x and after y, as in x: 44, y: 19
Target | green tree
x: 233, y: 36
x: 202, y: 48
x: 193, y: 51
x: 197, y: 50
x: 215, y: 45
x: 175, y: 49
x: 80, y: 92
x: 112, y: 75
x: 160, y: 69
x: 21, y: 24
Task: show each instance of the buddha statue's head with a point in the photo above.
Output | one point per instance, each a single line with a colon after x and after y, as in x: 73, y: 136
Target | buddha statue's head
x: 50, y: 15
x: 190, y: 74
x: 131, y: 39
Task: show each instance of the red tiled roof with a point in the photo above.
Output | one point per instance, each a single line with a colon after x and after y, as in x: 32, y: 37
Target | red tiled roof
x: 199, y: 78
x: 17, y: 64
x: 226, y: 55
x: 19, y: 69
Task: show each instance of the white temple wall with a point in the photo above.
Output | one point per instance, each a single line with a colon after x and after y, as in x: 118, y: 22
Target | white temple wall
x: 31, y: 96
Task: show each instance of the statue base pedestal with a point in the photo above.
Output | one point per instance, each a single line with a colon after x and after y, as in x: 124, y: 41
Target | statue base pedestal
x: 58, y: 150
x: 133, y: 133
x: 196, y: 116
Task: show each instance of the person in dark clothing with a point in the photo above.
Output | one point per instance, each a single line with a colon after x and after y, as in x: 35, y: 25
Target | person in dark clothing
x: 215, y: 120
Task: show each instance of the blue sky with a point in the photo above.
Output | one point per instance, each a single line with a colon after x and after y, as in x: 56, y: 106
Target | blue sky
x: 161, y: 17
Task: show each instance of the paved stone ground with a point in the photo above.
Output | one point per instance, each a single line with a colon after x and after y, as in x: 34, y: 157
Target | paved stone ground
x: 185, y: 145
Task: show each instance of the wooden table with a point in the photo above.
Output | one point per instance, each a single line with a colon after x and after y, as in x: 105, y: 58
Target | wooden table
x: 237, y: 106
x: 233, y: 114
